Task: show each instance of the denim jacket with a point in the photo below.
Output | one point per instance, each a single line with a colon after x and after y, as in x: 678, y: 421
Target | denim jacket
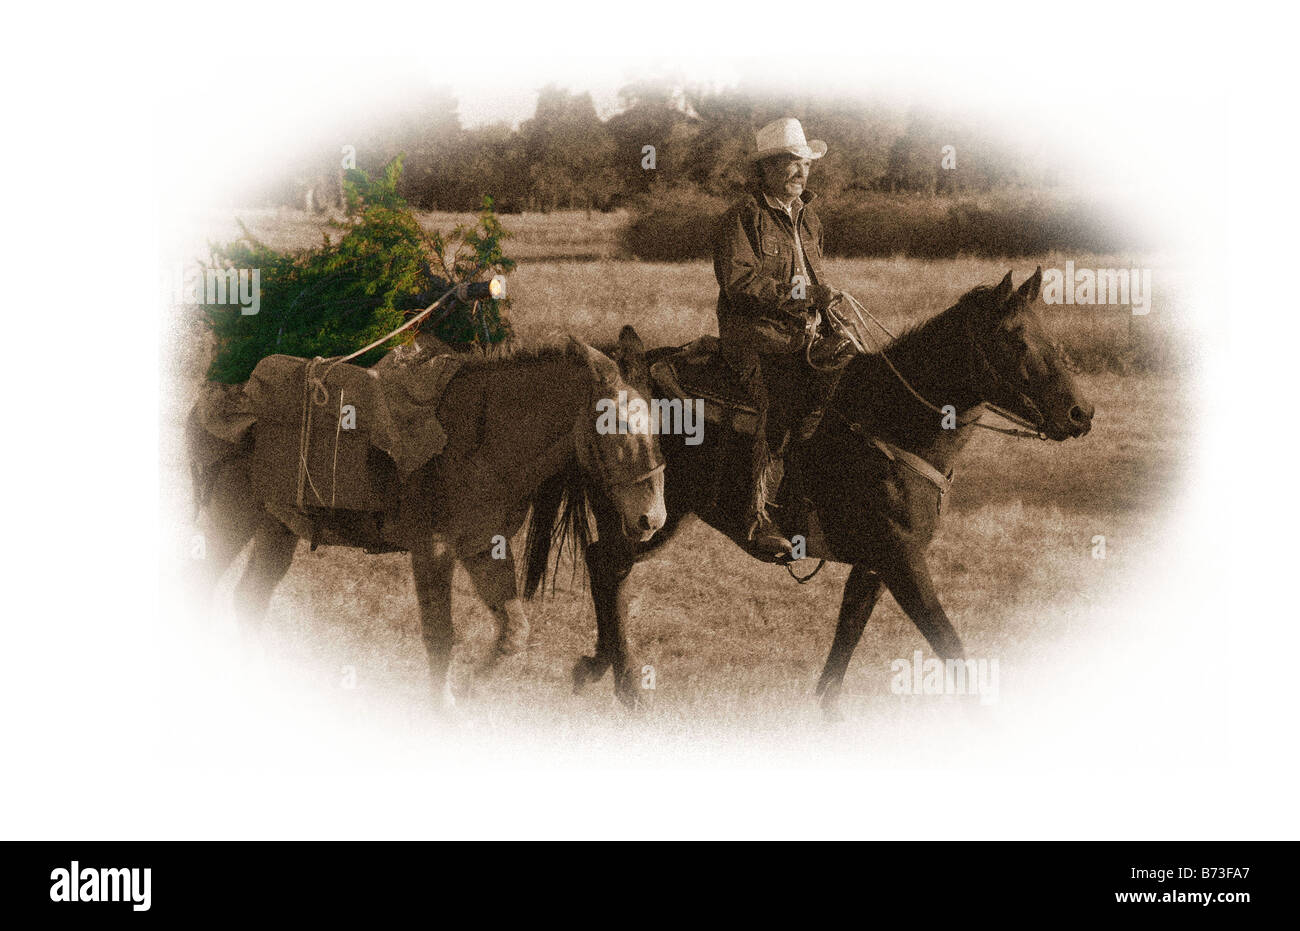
x: 754, y: 261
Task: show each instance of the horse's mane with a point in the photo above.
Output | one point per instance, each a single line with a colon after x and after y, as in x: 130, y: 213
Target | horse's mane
x: 559, y: 508
x: 524, y: 356
x: 918, y: 332
x: 558, y: 517
x: 870, y: 383
x: 559, y: 513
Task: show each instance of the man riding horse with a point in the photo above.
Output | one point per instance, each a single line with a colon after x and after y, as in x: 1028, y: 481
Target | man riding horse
x: 773, y: 301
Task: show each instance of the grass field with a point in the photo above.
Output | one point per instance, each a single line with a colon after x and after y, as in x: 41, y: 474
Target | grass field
x: 736, y: 644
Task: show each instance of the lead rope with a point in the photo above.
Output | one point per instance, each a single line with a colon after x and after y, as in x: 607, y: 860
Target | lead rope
x: 313, y: 383
x: 339, y: 360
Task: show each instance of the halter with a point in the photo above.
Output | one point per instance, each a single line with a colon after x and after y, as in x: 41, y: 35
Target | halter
x: 1035, y: 429
x: 612, y: 475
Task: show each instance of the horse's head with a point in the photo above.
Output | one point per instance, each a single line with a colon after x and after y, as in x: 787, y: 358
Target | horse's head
x: 1017, y: 366
x: 616, y: 443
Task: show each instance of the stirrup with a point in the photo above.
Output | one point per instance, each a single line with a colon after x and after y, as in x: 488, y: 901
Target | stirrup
x: 768, y: 539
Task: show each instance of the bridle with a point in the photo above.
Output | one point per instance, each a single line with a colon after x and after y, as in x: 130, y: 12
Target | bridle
x: 976, y: 355
x: 1034, y: 429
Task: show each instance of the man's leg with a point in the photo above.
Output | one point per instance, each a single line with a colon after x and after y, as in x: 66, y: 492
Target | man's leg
x: 783, y: 378
x: 749, y: 366
x: 809, y: 392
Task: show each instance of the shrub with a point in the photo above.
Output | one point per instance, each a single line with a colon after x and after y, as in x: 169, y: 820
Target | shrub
x: 335, y: 299
x: 673, y: 226
x: 677, y: 226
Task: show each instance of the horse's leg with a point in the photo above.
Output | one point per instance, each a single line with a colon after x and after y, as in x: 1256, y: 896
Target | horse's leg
x: 609, y: 561
x: 233, y: 516
x: 433, y: 567
x: 861, y: 592
x: 495, y: 582
x: 908, y: 576
x: 273, y: 549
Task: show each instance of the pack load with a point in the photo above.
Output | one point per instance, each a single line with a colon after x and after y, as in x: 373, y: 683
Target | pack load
x: 325, y: 434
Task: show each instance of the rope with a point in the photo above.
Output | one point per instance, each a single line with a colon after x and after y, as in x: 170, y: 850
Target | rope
x: 304, y: 436
x: 339, y: 360
x: 317, y: 383
x: 334, y: 474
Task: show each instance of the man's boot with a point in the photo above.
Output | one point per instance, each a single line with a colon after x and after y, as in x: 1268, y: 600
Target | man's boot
x: 763, y: 533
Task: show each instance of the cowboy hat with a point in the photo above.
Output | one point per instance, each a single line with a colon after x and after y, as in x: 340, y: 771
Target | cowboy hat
x: 785, y: 136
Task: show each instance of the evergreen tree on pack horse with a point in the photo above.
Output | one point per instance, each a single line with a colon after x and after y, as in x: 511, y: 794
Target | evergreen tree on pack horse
x: 513, y: 424
x: 877, y: 507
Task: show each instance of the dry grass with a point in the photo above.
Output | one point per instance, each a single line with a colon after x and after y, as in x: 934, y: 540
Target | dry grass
x: 560, y: 236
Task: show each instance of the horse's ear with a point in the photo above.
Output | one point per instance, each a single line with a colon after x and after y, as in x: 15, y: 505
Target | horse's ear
x: 630, y: 341
x: 630, y: 356
x: 1003, y: 290
x: 1032, y: 286
x: 602, y: 367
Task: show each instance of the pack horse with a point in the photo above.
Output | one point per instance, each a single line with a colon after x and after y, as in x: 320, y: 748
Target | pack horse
x: 446, y: 472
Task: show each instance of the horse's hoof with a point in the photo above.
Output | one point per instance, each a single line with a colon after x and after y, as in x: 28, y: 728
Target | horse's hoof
x: 831, y: 712
x: 495, y: 658
x: 627, y: 686
x: 513, y: 640
x: 584, y: 673
x: 830, y: 695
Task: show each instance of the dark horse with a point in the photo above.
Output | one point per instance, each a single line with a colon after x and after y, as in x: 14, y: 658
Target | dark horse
x: 877, y: 508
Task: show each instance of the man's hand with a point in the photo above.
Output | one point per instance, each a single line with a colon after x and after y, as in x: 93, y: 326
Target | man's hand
x: 820, y: 296
x: 832, y: 352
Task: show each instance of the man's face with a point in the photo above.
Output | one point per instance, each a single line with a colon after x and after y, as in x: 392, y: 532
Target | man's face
x: 784, y: 176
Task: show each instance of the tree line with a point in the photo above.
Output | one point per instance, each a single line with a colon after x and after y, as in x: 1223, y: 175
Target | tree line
x: 663, y: 139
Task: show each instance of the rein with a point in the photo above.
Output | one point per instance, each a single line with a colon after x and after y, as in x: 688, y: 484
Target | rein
x: 1032, y: 431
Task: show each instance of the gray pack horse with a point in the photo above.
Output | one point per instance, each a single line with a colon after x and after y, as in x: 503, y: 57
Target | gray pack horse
x: 512, y: 424
x: 875, y: 472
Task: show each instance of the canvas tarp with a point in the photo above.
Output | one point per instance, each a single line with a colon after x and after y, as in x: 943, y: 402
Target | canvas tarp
x: 341, y: 435
x: 215, y: 430
x: 319, y: 425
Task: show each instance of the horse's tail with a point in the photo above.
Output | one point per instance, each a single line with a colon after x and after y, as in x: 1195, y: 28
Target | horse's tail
x: 198, y: 483
x: 559, y: 515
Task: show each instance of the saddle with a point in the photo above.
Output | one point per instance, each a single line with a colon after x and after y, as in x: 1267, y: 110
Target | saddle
x: 698, y: 370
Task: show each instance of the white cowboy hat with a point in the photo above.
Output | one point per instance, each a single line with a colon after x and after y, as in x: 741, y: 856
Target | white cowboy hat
x: 786, y: 136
